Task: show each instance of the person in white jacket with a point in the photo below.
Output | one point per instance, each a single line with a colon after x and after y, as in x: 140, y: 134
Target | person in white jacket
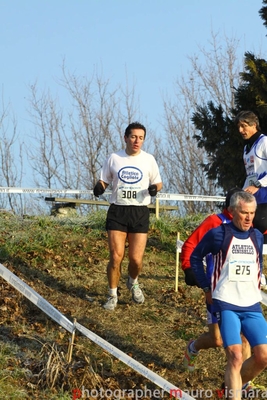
x: 255, y: 160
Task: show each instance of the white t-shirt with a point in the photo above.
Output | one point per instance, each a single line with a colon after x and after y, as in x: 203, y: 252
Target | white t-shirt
x: 130, y: 177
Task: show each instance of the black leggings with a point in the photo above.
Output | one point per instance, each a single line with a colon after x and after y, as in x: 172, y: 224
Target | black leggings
x: 260, y: 220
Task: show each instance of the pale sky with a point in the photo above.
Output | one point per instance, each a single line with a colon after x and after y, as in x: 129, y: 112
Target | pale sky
x: 150, y: 39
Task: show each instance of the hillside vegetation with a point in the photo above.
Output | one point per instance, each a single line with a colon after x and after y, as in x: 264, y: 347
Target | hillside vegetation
x: 65, y: 260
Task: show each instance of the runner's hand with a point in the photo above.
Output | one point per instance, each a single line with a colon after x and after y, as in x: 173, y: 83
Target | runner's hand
x: 190, y: 278
x: 98, y: 189
x: 152, y: 190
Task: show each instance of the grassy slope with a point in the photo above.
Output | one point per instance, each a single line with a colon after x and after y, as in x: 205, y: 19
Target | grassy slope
x: 65, y: 261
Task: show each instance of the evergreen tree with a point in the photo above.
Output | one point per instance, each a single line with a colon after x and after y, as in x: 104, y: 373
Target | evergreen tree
x: 252, y: 93
x: 218, y: 134
x: 263, y: 13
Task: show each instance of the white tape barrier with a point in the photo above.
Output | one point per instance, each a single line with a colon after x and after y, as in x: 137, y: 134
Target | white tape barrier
x: 179, y: 245
x: 147, y: 373
x: 52, y: 312
x: 160, y: 196
x: 189, y: 197
x: 35, y: 298
x: 40, y: 190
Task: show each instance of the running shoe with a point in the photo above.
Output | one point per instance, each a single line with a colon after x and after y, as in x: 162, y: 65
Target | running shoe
x: 251, y: 387
x: 137, y: 294
x: 111, y: 303
x: 189, y: 358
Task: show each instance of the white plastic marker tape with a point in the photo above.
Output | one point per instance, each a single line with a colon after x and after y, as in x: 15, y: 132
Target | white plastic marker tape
x: 41, y: 190
x: 147, y: 373
x: 52, y: 312
x: 36, y: 299
x: 160, y: 196
x: 189, y: 197
x: 179, y: 245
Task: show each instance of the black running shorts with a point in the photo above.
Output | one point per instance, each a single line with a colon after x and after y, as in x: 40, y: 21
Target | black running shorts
x: 132, y: 219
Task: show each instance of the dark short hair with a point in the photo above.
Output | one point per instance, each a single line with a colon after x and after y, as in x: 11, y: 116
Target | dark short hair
x: 134, y: 125
x: 229, y: 195
x: 248, y: 117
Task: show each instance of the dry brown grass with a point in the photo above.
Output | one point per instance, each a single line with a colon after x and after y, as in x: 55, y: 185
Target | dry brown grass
x: 72, y: 277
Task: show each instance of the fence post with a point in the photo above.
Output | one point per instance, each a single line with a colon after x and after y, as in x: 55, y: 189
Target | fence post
x: 177, y: 262
x: 157, y: 208
x: 71, y: 343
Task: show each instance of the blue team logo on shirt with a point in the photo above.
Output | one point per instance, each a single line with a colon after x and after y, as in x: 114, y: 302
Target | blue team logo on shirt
x: 130, y: 175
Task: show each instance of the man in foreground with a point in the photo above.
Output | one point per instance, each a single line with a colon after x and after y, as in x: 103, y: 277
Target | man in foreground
x: 135, y: 177
x: 234, y: 290
x: 212, y: 338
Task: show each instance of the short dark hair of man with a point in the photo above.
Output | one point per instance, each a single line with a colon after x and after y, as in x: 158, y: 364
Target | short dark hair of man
x: 134, y: 125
